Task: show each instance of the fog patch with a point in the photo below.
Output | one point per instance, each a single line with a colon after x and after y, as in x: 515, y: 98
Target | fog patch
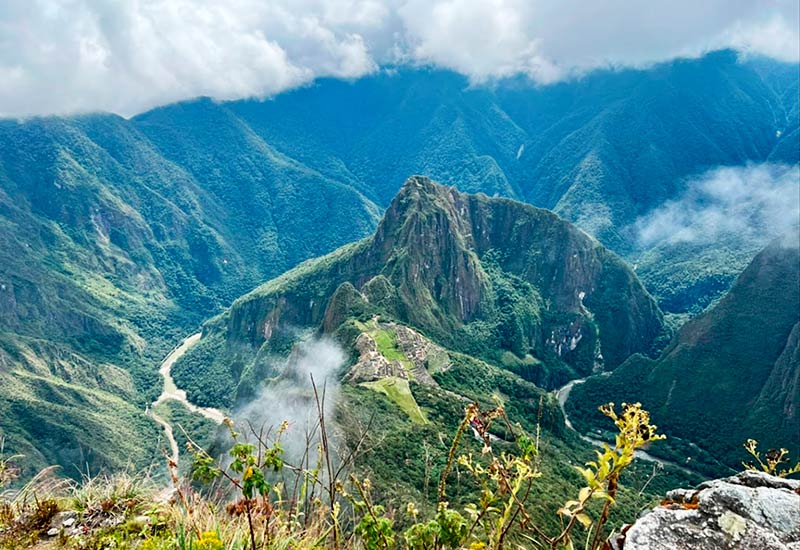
x: 753, y: 203
x: 290, y: 397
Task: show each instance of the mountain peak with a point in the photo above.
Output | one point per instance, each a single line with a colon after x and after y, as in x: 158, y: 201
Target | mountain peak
x: 419, y: 187
x: 419, y: 192
x: 475, y: 273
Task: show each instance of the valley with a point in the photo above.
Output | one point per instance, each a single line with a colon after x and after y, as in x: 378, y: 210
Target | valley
x: 172, y: 393
x: 422, y: 245
x: 562, y: 394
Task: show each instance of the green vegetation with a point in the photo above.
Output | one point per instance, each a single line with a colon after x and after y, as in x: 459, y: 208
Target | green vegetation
x: 262, y: 501
x: 725, y: 372
x: 117, y: 236
x: 504, y: 296
x: 398, y: 391
x: 187, y: 425
x: 208, y: 382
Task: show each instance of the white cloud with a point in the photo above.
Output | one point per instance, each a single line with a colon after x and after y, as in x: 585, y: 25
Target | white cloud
x: 290, y: 398
x: 754, y: 203
x: 60, y: 56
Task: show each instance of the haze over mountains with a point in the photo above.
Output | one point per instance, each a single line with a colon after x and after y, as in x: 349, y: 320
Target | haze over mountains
x: 119, y: 236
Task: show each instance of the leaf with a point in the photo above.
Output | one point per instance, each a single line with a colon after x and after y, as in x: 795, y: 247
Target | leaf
x: 585, y: 520
x: 584, y: 494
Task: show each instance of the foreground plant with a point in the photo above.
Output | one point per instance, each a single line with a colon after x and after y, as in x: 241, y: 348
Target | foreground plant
x: 506, y: 480
x: 260, y: 515
x: 602, y: 476
x: 771, y: 462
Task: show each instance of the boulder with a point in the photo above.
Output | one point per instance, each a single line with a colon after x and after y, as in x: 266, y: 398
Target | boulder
x: 749, y: 511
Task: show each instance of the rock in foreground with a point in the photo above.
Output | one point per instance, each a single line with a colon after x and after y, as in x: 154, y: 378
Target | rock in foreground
x: 751, y: 510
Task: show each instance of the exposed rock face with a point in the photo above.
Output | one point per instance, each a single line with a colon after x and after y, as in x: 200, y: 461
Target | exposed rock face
x: 749, y: 511
x: 467, y: 270
x: 730, y: 373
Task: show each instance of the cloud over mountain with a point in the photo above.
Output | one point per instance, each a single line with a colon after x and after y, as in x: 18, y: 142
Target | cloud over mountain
x: 62, y: 56
x: 754, y: 202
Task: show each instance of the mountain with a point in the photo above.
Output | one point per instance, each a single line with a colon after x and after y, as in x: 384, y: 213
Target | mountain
x: 455, y: 298
x: 120, y: 235
x: 111, y: 252
x: 602, y: 151
x: 493, y: 278
x: 730, y: 374
x: 599, y: 151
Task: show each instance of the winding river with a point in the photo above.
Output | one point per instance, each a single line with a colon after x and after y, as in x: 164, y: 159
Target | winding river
x: 562, y: 394
x: 172, y: 392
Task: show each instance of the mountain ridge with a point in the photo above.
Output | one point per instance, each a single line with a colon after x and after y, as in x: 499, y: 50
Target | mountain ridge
x: 474, y: 274
x: 730, y: 372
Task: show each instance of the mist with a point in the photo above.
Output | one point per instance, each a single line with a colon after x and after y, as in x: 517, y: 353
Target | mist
x: 753, y: 203
x: 290, y: 397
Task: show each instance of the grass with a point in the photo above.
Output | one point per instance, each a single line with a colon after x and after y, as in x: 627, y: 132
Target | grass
x: 399, y: 392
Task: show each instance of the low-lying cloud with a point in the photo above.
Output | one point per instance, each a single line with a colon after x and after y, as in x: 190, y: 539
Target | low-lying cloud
x: 66, y: 56
x: 291, y: 397
x: 753, y: 203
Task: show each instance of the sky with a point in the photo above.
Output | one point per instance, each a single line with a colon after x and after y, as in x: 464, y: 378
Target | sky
x: 127, y: 56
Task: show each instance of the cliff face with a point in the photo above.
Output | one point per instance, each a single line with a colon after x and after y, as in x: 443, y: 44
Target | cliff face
x: 473, y: 273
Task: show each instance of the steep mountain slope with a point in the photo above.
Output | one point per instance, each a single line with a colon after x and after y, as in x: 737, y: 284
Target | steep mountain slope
x: 730, y: 374
x: 118, y: 235
x: 489, y: 277
x: 599, y: 151
x: 109, y: 252
x: 455, y: 299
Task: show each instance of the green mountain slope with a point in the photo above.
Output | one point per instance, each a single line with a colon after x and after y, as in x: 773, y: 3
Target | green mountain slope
x: 109, y: 253
x: 601, y: 152
x: 489, y: 277
x: 730, y: 374
x: 117, y: 236
x: 456, y: 298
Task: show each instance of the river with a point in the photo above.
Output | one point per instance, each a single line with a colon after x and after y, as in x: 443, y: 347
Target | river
x: 173, y: 392
x: 562, y: 394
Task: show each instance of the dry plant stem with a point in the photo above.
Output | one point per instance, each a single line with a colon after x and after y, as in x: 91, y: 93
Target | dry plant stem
x: 327, y: 454
x: 173, y: 474
x: 451, y: 456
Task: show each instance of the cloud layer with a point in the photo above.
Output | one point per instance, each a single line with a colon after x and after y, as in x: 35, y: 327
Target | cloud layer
x: 753, y: 203
x: 63, y: 56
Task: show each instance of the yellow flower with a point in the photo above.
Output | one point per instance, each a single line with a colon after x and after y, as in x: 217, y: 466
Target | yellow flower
x: 477, y: 546
x: 209, y: 541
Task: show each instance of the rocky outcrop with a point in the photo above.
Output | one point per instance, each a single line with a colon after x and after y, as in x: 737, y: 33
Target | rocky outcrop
x: 749, y: 511
x: 471, y: 273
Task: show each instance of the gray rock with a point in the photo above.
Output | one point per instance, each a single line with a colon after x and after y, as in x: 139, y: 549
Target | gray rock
x: 749, y: 511
x: 63, y: 519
